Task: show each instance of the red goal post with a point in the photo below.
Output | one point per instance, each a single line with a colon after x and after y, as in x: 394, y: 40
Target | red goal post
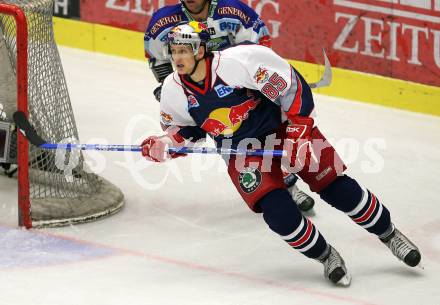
x: 22, y: 83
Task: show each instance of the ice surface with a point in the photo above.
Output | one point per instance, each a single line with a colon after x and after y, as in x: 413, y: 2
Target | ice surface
x: 185, y: 236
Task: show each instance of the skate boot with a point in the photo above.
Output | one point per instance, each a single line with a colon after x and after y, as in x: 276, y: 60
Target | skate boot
x: 304, y: 201
x: 402, y: 247
x: 334, y: 267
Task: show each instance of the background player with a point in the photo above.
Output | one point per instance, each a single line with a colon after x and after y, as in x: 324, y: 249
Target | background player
x: 229, y: 22
x: 257, y: 86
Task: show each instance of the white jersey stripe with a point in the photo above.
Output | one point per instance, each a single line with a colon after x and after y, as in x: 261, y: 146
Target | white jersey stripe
x: 361, y: 204
x: 312, y: 243
x: 376, y: 218
x: 296, y: 232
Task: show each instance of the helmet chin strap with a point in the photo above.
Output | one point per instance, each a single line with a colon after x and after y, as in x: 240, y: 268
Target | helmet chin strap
x: 197, y: 63
x: 195, y: 66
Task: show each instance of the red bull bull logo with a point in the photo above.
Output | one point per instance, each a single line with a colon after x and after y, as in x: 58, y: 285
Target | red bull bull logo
x: 225, y: 121
x: 240, y: 112
x: 198, y: 26
x: 214, y: 127
x: 261, y: 75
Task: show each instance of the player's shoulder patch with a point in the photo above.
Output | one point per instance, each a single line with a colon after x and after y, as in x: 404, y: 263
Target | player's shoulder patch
x: 261, y: 76
x: 166, y: 118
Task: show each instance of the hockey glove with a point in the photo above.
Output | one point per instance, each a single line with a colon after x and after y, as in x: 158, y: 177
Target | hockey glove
x: 299, y: 133
x: 157, y: 93
x: 155, y: 148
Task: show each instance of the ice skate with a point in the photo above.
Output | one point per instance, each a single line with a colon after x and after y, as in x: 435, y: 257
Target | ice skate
x: 402, y: 247
x: 334, y: 267
x: 304, y: 201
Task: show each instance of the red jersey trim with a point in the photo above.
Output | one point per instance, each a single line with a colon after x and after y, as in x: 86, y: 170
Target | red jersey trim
x: 207, y: 79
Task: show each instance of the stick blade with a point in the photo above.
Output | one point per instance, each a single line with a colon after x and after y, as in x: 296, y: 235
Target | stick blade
x: 327, y: 77
x: 27, y: 129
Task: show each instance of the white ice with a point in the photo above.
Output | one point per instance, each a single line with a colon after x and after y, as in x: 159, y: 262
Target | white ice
x: 185, y: 236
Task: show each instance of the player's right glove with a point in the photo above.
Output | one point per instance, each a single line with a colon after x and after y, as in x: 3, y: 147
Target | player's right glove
x: 155, y: 148
x: 157, y: 92
x: 299, y: 133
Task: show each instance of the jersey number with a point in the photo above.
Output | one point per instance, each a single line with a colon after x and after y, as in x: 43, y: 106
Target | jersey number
x: 274, y: 86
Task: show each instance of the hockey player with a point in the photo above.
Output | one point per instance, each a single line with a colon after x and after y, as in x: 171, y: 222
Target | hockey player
x: 229, y: 22
x: 240, y: 93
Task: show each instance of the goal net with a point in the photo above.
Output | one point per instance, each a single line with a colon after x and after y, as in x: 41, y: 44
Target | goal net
x: 47, y: 197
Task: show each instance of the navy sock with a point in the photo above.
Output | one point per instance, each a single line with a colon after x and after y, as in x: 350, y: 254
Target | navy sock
x: 284, y: 218
x: 362, y: 206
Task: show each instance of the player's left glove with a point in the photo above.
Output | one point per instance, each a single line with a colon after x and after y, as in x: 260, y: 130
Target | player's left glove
x: 155, y: 148
x: 299, y: 133
x: 157, y: 93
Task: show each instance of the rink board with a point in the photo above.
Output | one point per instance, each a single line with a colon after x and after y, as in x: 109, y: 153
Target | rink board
x: 347, y: 84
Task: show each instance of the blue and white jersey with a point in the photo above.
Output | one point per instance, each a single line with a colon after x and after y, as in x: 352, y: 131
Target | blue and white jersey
x: 229, y: 22
x: 246, y: 90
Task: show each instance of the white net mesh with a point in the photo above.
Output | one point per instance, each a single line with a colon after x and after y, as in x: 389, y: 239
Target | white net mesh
x: 55, y: 199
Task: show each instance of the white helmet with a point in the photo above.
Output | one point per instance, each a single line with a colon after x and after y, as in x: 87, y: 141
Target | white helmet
x: 191, y: 33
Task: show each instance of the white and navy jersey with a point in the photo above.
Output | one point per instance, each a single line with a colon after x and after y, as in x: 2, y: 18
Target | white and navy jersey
x: 243, y: 95
x: 229, y: 22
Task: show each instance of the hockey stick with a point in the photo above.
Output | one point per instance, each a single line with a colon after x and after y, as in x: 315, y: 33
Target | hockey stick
x: 326, y: 78
x: 25, y: 127
x: 29, y: 132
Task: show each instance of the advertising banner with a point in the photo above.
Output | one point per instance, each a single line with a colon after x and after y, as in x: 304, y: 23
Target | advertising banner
x: 128, y: 14
x: 66, y: 8
x: 399, y: 39
x: 394, y: 38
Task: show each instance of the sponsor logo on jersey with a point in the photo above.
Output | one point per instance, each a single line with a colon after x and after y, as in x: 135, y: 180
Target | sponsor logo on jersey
x: 240, y: 112
x: 214, y: 127
x: 249, y: 179
x: 225, y: 121
x: 211, y: 31
x: 223, y: 90
x: 162, y: 22
x: 296, y: 131
x: 261, y: 75
x: 229, y: 10
x: 218, y: 43
x: 192, y: 102
x: 166, y: 118
x: 227, y: 25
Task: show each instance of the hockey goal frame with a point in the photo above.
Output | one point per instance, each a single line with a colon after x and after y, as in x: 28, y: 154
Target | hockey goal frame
x: 33, y: 82
x: 24, y: 218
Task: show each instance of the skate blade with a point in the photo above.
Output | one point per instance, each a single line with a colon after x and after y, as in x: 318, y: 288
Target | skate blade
x: 345, y: 281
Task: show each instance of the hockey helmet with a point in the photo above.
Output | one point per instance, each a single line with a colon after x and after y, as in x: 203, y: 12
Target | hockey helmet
x: 191, y: 33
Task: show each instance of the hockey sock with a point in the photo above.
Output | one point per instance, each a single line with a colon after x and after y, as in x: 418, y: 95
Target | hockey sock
x: 362, y: 206
x: 284, y: 218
